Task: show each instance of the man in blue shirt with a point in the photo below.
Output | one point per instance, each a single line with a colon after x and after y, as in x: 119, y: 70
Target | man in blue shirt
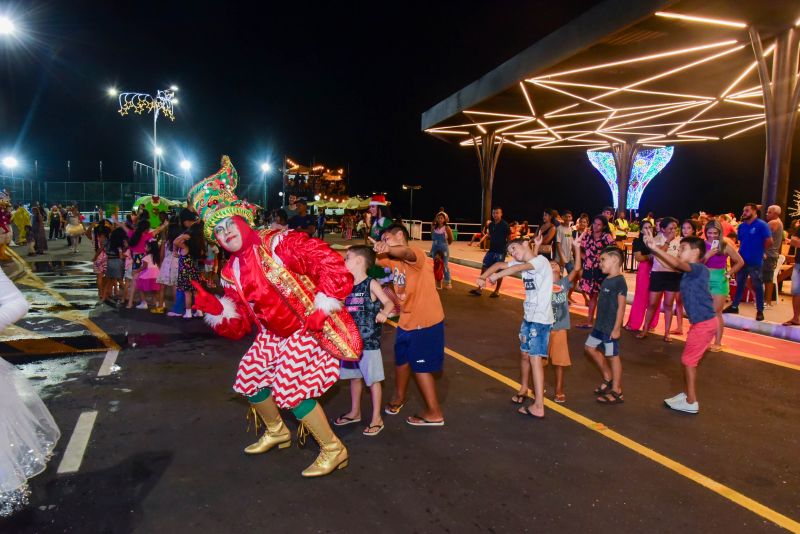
x: 499, y: 231
x: 754, y: 238
x: 303, y: 221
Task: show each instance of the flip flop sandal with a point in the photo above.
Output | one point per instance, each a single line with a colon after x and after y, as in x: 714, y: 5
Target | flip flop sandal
x: 790, y: 323
x: 421, y: 421
x: 616, y: 398
x: 367, y: 431
x: 518, y: 399
x: 561, y: 399
x: 344, y: 421
x: 526, y: 411
x: 393, y: 409
x: 604, y: 387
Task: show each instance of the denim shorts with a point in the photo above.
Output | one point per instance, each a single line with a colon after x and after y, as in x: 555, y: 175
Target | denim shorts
x: 493, y: 257
x: 534, y: 338
x: 610, y: 346
x: 796, y: 279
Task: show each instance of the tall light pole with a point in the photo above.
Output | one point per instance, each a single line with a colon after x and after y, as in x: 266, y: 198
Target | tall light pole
x: 140, y: 103
x: 265, y: 168
x: 411, y: 189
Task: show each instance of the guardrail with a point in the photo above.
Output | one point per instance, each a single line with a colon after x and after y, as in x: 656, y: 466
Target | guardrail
x: 421, y: 230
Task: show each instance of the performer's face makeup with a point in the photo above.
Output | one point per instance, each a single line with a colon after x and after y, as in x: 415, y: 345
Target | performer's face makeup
x: 228, y: 235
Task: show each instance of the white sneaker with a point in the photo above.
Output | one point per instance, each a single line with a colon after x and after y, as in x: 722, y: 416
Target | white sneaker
x: 187, y: 315
x: 142, y: 306
x: 198, y: 313
x: 679, y: 397
x: 173, y: 314
x: 683, y: 406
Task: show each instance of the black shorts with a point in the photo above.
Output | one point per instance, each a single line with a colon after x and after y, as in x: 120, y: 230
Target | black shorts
x: 665, y: 281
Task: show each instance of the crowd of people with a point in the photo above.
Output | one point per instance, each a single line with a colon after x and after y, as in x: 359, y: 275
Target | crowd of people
x: 684, y: 269
x: 310, y: 301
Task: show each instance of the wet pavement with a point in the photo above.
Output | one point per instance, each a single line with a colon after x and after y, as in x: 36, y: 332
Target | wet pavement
x: 165, y: 452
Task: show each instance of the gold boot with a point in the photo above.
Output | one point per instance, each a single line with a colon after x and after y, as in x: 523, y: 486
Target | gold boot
x: 276, y: 432
x: 332, y: 453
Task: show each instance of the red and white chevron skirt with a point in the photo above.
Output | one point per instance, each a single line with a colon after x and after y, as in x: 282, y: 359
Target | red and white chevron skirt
x: 295, y: 367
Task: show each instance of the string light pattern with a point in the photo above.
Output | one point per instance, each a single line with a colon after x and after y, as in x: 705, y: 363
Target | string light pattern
x: 646, y: 165
x: 651, y: 99
x: 144, y: 103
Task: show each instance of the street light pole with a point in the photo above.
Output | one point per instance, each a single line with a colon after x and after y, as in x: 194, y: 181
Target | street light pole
x: 265, y: 168
x: 411, y: 189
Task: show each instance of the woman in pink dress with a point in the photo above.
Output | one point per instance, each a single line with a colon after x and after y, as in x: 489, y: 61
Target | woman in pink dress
x: 644, y: 258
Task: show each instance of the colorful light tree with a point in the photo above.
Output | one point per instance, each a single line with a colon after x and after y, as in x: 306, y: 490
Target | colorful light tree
x: 646, y: 165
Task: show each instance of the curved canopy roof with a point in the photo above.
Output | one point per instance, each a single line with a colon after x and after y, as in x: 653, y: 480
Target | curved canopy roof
x: 651, y: 72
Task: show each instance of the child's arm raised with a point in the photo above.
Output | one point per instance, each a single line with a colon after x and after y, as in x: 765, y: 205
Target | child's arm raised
x: 507, y: 271
x: 396, y: 252
x: 537, y: 243
x: 377, y: 292
x: 666, y: 259
x: 481, y: 281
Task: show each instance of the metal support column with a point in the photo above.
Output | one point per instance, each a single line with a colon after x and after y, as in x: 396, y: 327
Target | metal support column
x: 488, y: 152
x: 781, y: 99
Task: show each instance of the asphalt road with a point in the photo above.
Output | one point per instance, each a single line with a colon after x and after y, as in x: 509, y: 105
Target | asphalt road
x: 165, y: 450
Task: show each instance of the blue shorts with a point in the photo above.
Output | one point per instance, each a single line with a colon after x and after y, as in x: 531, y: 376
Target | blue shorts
x: 423, y: 348
x: 534, y: 338
x: 493, y: 257
x: 610, y: 346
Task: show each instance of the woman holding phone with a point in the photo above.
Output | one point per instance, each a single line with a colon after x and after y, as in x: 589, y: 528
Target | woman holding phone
x: 718, y: 250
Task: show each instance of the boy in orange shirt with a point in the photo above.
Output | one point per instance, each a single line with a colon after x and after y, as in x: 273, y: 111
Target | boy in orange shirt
x: 419, y: 344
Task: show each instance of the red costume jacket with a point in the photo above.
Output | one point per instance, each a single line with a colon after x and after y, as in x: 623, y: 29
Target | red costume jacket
x: 309, y: 263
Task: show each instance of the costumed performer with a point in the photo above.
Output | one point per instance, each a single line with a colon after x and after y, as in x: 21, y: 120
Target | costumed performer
x: 28, y: 433
x: 22, y: 220
x: 74, y: 229
x: 291, y: 287
x: 154, y: 205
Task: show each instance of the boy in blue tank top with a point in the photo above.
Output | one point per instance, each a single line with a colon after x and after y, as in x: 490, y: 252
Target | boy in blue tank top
x: 369, y: 306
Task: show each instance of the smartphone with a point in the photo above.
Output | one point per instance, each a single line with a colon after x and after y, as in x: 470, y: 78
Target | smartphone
x: 715, y: 244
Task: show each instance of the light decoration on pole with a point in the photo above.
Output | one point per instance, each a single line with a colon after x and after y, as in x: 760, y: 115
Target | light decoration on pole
x: 794, y: 211
x: 161, y: 104
x: 646, y: 165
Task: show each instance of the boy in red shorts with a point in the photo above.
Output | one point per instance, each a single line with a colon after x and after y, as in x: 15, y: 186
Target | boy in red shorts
x: 700, y: 310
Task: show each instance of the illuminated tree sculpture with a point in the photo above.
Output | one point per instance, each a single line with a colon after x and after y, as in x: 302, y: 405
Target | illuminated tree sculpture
x: 646, y: 164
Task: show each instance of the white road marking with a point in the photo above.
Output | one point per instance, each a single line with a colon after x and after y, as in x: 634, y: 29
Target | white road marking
x: 76, y: 448
x: 108, y: 361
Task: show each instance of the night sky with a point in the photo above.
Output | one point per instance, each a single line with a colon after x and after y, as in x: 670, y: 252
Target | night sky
x: 339, y: 83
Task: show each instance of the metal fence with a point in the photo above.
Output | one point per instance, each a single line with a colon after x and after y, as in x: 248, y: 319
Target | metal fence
x: 176, y: 187
x: 105, y: 194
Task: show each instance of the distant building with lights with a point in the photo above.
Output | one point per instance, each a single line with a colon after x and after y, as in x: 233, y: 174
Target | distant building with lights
x: 310, y: 181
